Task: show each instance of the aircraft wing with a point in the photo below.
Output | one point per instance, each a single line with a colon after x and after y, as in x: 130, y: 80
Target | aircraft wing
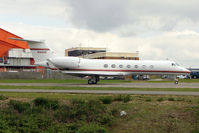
x: 91, y: 73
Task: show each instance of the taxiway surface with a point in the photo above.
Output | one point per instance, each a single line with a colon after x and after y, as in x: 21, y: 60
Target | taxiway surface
x: 108, y: 85
x: 113, y: 85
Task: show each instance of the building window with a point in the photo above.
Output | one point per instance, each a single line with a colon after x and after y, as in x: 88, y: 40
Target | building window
x: 136, y: 66
x: 1, y: 60
x: 105, y: 65
x: 121, y: 66
x: 113, y: 65
x: 128, y: 66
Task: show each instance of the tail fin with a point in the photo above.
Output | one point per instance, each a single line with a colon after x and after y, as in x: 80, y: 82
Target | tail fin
x: 40, y: 51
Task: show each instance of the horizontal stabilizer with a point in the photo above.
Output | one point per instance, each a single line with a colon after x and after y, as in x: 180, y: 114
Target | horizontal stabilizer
x: 26, y: 40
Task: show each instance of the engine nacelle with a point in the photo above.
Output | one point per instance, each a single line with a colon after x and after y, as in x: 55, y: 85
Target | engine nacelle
x: 65, y: 62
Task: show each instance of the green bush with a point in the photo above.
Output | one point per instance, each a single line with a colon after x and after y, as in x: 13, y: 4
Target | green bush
x: 44, y: 121
x: 180, y: 99
x: 124, y: 98
x: 63, y: 114
x: 118, y: 98
x: 195, y: 130
x: 189, y: 100
x: 4, y: 128
x: 46, y: 103
x: 106, y: 100
x: 61, y: 128
x: 106, y: 120
x: 25, y: 124
x: 114, y: 112
x: 160, y: 99
x: 92, y: 128
x: 86, y: 110
x: 68, y: 118
x: 20, y: 106
x: 127, y: 98
x: 2, y: 97
x: 171, y: 99
x: 148, y: 99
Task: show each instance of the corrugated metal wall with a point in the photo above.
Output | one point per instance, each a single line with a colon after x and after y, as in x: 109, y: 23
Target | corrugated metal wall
x: 19, y: 62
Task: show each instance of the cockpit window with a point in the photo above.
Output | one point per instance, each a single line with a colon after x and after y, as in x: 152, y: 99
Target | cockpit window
x: 173, y: 64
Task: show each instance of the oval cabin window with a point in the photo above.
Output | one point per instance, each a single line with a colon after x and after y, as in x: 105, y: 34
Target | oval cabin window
x: 105, y: 65
x: 113, y: 65
x: 136, y: 66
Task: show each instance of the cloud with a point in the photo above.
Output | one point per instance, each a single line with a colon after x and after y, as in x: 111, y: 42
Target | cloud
x: 157, y: 29
x: 50, y: 8
x: 133, y: 17
x: 34, y: 12
x: 178, y: 46
x: 100, y: 15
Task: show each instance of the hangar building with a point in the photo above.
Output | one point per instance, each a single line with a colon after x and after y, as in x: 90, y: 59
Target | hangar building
x: 14, y: 54
x: 99, y: 53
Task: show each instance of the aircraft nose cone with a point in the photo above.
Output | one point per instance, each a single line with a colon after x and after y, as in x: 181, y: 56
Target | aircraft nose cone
x: 187, y: 71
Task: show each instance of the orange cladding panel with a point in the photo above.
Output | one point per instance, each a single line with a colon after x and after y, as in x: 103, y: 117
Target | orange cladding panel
x: 4, y: 50
x: 6, y: 43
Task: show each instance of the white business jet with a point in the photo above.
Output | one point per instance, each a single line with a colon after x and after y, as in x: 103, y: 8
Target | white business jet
x: 94, y: 68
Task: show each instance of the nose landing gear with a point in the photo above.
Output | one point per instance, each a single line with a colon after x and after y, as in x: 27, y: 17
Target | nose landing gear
x: 176, y: 80
x: 93, y: 80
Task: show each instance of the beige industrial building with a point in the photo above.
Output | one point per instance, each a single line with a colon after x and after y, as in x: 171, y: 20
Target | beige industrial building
x: 99, y: 53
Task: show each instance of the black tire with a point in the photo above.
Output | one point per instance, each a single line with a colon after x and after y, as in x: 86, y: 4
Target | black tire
x: 89, y: 81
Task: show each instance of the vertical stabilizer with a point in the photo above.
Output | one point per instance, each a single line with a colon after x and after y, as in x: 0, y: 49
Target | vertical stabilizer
x: 40, y: 51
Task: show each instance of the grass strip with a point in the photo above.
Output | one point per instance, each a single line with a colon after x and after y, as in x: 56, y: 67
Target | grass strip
x: 97, y: 88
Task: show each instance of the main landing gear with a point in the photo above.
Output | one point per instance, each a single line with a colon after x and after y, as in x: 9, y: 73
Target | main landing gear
x: 93, y: 80
x: 176, y: 80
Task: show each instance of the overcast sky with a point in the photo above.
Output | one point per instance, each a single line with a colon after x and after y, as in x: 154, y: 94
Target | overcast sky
x: 158, y: 29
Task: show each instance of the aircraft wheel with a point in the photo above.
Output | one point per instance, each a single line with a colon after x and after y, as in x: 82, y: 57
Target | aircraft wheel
x: 93, y: 81
x: 90, y: 81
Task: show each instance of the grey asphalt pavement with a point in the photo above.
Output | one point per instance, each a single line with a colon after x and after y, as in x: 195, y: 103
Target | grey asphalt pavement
x: 102, y: 92
x: 122, y: 85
